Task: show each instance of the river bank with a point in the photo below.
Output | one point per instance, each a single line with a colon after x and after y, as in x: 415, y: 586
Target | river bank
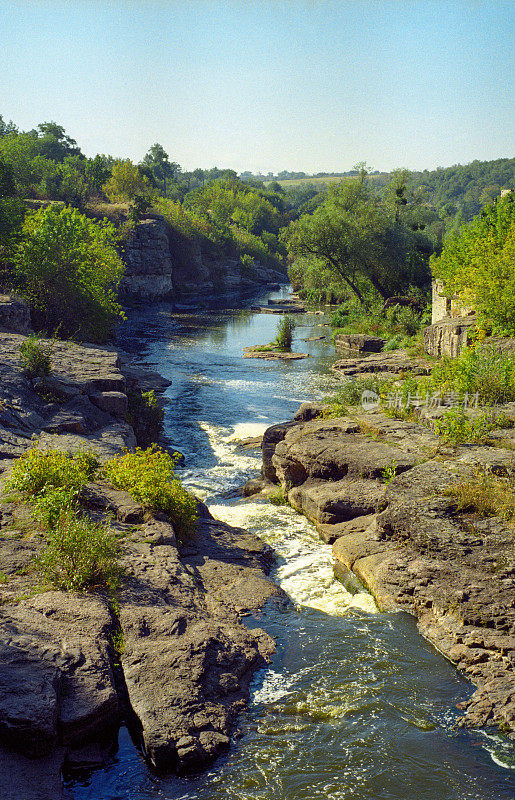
x: 74, y: 666
x: 360, y: 691
x: 380, y: 490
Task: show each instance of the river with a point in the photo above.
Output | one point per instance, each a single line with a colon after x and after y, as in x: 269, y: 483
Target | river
x: 356, y: 704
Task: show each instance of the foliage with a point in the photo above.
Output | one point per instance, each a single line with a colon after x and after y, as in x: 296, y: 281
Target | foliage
x: 481, y: 370
x: 390, y: 472
x: 351, y: 392
x: 36, y: 470
x: 284, y: 338
x: 140, y: 206
x: 486, y: 494
x: 126, y: 182
x: 146, y: 415
x: 70, y: 270
x: 477, y: 263
x: 157, y: 161
x: 35, y: 357
x: 51, y: 502
x: 80, y: 554
x: 278, y: 497
x: 455, y: 427
x: 148, y: 475
x: 363, y: 241
x: 398, y: 325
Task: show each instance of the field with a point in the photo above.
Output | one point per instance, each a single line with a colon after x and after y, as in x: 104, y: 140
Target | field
x: 321, y: 182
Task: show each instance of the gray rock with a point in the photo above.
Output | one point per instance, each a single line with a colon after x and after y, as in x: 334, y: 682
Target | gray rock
x: 15, y: 314
x: 358, y: 343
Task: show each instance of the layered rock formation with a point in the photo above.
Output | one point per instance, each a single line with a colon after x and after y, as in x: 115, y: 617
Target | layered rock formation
x: 160, y: 266
x: 377, y: 488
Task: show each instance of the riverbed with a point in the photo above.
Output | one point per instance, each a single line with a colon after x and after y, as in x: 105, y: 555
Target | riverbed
x: 356, y: 704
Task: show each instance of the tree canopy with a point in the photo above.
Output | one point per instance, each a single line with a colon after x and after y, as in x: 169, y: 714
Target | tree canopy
x: 478, y: 264
x: 362, y: 240
x: 69, y: 270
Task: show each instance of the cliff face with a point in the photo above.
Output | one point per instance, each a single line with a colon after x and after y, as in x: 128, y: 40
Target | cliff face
x: 156, y: 269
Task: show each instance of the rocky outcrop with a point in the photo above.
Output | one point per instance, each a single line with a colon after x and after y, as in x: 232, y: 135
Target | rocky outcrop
x: 14, y: 314
x: 170, y: 656
x: 448, y: 336
x: 357, y: 344
x: 377, y: 488
x: 160, y: 265
x: 272, y: 355
x: 148, y: 264
x: 389, y: 364
x: 82, y: 403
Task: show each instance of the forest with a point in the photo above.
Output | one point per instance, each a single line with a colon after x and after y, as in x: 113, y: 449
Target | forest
x: 359, y: 239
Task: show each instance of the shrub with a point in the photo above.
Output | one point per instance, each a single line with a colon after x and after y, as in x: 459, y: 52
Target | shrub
x: 284, y: 338
x: 480, y: 370
x: 36, y: 470
x: 146, y: 416
x: 35, y: 357
x: 69, y: 270
x: 454, y: 427
x: 148, y: 475
x: 48, y: 506
x: 80, y: 554
x: 351, y: 392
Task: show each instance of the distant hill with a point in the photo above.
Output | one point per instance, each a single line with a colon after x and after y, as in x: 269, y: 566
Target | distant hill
x: 457, y: 193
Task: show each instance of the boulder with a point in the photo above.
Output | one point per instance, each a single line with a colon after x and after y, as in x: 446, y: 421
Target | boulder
x: 358, y: 343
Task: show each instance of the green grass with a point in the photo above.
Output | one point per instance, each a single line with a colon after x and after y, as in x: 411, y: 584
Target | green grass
x: 486, y: 494
x: 35, y: 357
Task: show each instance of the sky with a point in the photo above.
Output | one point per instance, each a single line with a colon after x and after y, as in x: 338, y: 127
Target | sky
x: 267, y: 86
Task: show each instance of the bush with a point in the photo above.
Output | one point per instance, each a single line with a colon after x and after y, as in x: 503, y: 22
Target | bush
x: 480, y: 370
x: 148, y: 475
x: 284, y: 338
x: 35, y: 357
x: 146, y: 416
x: 48, y: 506
x: 350, y: 394
x: 80, y: 554
x: 454, y: 427
x: 69, y: 270
x: 36, y: 470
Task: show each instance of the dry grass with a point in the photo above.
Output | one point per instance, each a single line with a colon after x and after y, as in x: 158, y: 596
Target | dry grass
x: 486, y: 494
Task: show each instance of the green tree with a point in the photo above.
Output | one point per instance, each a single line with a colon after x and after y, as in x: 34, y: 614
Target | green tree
x: 478, y: 261
x: 69, y: 270
x: 54, y: 144
x: 126, y: 182
x: 158, y: 162
x: 7, y: 128
x: 362, y: 241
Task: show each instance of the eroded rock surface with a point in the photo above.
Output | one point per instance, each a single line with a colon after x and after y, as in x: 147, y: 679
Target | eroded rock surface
x: 376, y: 487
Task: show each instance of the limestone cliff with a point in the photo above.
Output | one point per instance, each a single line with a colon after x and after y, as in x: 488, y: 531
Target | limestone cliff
x: 159, y: 268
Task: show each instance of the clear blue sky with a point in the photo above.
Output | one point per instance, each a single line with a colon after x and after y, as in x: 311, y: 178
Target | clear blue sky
x: 313, y: 86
